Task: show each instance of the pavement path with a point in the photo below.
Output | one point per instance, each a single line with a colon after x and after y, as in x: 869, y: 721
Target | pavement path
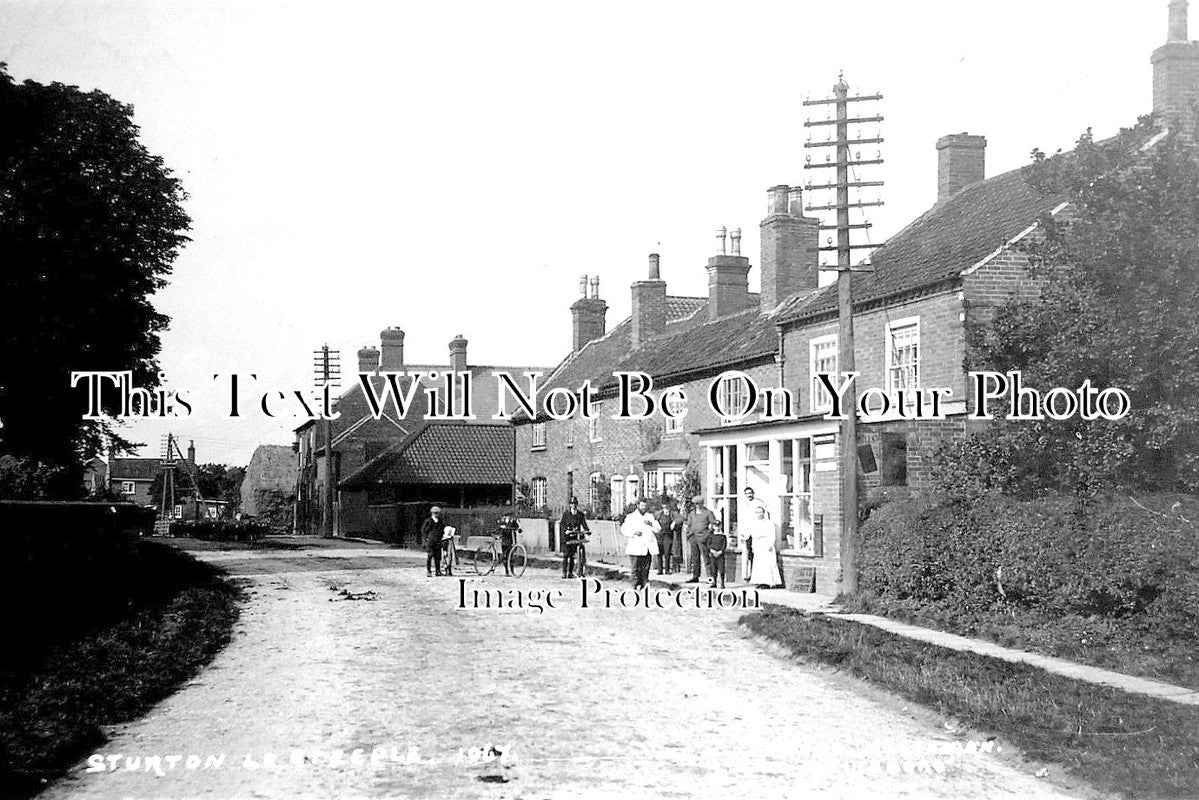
x: 340, y: 651
x: 822, y: 604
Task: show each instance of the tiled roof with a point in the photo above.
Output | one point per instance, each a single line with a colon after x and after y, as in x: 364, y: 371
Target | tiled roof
x: 133, y: 469
x: 672, y: 449
x: 937, y: 246
x: 689, y: 343
x: 951, y: 237
x: 444, y: 453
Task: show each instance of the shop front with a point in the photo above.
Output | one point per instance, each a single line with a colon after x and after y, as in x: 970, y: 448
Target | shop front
x: 792, y: 469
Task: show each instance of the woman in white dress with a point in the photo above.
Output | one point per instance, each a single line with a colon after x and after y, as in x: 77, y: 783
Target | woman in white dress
x: 761, y: 530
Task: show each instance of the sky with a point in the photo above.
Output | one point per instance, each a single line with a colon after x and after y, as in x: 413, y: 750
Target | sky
x: 453, y: 168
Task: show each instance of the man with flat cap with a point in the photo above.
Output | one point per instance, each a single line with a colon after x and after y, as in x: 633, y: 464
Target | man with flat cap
x: 432, y: 531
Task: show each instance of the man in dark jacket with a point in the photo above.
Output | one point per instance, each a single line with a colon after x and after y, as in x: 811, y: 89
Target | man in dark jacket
x: 431, y: 532
x: 572, y: 522
x: 665, y: 517
x: 699, y: 525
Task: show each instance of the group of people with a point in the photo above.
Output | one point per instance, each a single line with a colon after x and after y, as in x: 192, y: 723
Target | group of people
x: 662, y: 534
x: 438, y: 536
x: 650, y: 535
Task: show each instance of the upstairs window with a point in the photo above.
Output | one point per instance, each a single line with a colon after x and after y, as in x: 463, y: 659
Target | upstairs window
x: 539, y: 436
x: 903, y: 354
x: 822, y: 358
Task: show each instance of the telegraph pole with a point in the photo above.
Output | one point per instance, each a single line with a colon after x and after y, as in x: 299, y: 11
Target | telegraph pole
x: 327, y: 370
x: 844, y: 248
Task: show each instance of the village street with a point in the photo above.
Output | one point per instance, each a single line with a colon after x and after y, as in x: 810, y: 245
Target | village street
x: 591, y: 702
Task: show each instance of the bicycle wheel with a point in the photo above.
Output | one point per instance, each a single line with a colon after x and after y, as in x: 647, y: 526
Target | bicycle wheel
x: 484, y: 560
x: 518, y: 559
x: 581, y: 558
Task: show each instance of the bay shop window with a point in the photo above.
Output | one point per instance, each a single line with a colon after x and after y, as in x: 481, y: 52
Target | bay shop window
x: 779, y: 470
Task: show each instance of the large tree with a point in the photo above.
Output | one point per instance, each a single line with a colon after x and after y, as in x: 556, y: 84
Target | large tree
x: 1119, y: 306
x: 90, y: 224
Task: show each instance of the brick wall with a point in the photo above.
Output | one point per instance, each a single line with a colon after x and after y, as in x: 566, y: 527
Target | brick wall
x: 942, y: 346
x: 622, y: 442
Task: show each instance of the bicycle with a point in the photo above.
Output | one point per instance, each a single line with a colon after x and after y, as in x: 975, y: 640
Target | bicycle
x: 579, y: 539
x: 449, y: 553
x: 486, y: 556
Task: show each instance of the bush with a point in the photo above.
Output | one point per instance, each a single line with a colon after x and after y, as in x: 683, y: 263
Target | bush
x: 1114, y: 558
x: 220, y: 530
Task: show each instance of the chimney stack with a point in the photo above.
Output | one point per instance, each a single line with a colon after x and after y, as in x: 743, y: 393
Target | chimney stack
x: 368, y: 359
x: 961, y: 161
x: 728, y: 281
x: 458, y: 354
x: 587, y: 314
x: 649, y: 304
x: 790, y: 247
x: 392, y: 342
x: 1176, y: 74
x: 191, y: 451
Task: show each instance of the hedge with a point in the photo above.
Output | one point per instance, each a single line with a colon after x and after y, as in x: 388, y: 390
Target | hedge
x: 1114, y: 558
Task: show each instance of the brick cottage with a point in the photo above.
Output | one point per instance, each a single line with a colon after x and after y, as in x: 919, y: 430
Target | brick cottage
x: 946, y: 270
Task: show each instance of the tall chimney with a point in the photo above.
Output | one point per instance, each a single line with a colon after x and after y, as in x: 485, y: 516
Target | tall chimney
x: 587, y: 314
x: 728, y: 281
x: 191, y: 451
x: 368, y: 359
x: 649, y: 304
x: 1176, y: 74
x: 961, y: 161
x: 458, y: 354
x: 790, y: 247
x: 392, y: 342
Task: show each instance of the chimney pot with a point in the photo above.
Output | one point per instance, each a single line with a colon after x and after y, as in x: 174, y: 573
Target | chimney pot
x: 655, y: 270
x: 1178, y: 21
x: 721, y: 237
x: 583, y: 285
x: 595, y: 287
x: 735, y: 236
x: 795, y: 201
x: 776, y: 199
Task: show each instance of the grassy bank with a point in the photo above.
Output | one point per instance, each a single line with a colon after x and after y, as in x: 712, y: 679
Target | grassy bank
x: 1115, y: 644
x: 1135, y: 746
x: 178, y: 613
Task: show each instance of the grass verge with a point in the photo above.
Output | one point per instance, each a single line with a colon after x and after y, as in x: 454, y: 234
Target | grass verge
x: 1111, y: 643
x: 1135, y: 746
x: 179, y: 614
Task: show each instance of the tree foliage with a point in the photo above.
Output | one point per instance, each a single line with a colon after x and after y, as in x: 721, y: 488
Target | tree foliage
x: 90, y: 224
x: 1119, y: 279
